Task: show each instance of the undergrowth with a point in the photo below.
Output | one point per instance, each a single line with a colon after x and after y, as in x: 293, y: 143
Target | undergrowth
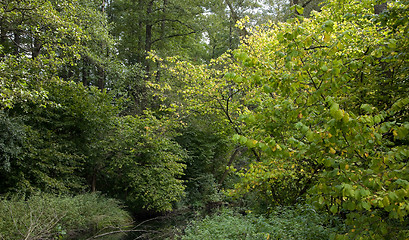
x: 296, y: 222
x: 60, y: 217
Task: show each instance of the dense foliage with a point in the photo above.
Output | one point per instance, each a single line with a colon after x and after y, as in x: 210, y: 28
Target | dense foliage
x: 199, y: 104
x: 322, y: 103
x: 143, y: 164
x: 62, y: 131
x: 302, y: 222
x: 49, y: 217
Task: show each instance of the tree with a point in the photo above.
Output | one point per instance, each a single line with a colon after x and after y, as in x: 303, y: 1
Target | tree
x: 207, y: 149
x: 39, y: 40
x: 305, y: 96
x: 97, y: 64
x: 36, y: 38
x: 60, y: 143
x: 143, y: 164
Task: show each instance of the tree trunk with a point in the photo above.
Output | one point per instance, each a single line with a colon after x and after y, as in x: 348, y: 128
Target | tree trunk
x: 380, y: 8
x: 94, y: 182
x: 103, y: 6
x: 17, y: 40
x: 3, y: 38
x: 235, y: 17
x: 36, y: 48
x: 84, y: 71
x: 162, y: 35
x: 231, y: 160
x: 101, y: 77
x: 165, y: 3
x: 148, y: 37
x: 101, y: 69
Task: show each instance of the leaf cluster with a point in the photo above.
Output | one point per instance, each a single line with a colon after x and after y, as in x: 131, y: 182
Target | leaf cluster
x: 308, y: 95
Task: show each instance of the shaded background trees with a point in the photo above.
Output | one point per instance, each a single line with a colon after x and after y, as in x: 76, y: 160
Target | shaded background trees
x: 159, y: 102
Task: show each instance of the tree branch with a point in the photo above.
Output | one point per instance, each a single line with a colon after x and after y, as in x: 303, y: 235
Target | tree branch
x: 236, y: 152
x: 171, y: 36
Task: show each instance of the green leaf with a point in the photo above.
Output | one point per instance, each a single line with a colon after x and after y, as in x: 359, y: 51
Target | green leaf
x: 334, y: 209
x: 393, y: 196
x: 236, y: 137
x: 242, y: 140
x: 328, y: 26
x: 366, y: 205
x: 335, y: 112
x: 230, y: 75
x: 386, y: 202
x: 351, y: 205
x: 267, y: 89
x: 367, y: 108
x: 324, y: 68
x: 238, y: 79
x: 299, y: 9
x: 377, y: 53
x: 251, y: 143
x: 264, y: 147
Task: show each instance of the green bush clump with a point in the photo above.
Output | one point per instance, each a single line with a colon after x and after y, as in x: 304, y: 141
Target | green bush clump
x: 301, y: 222
x: 296, y: 222
x: 225, y: 225
x: 60, y: 217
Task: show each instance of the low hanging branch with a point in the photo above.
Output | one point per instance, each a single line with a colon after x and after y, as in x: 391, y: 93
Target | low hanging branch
x: 174, y: 35
x: 236, y: 129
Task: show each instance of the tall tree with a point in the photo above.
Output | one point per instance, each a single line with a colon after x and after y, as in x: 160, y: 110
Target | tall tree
x: 325, y: 107
x: 37, y: 37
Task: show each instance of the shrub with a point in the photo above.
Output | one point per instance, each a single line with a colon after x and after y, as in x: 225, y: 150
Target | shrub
x: 52, y: 217
x: 225, y: 225
x: 296, y: 222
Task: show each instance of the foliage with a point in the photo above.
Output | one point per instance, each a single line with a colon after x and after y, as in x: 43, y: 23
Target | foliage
x: 77, y: 141
x: 59, y: 140
x: 167, y: 26
x: 225, y: 225
x: 12, y: 135
x: 321, y: 103
x: 51, y: 217
x: 303, y: 222
x: 144, y: 164
x: 298, y: 222
x: 36, y: 38
x: 207, y: 152
x: 97, y: 64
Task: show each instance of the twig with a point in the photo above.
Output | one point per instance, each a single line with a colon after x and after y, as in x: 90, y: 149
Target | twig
x: 118, y: 231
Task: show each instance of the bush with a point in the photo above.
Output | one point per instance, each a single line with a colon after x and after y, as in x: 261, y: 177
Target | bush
x: 51, y: 217
x: 301, y: 222
x: 225, y: 225
x: 296, y: 222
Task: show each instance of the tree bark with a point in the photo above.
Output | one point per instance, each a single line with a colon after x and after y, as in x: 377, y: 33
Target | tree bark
x: 101, y: 77
x: 3, y: 37
x: 94, y: 182
x: 231, y: 160
x: 380, y: 8
x: 235, y: 17
x: 148, y: 37
x: 84, y: 70
x: 36, y: 48
x: 17, y: 40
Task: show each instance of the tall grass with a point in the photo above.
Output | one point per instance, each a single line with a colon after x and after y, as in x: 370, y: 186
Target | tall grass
x: 60, y: 217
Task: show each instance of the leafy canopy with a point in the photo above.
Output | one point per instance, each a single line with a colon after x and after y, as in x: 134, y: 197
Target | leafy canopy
x: 323, y: 102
